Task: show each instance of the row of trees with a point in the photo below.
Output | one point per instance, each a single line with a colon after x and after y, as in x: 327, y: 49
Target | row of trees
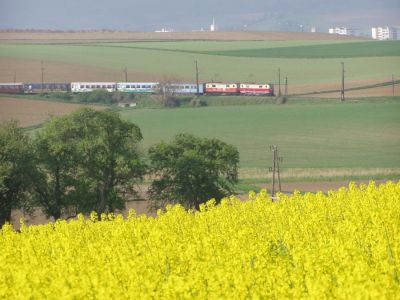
x: 91, y: 161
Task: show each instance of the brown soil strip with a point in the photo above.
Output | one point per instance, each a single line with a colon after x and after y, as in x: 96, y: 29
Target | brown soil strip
x: 32, y: 112
x: 95, y: 36
x: 28, y: 70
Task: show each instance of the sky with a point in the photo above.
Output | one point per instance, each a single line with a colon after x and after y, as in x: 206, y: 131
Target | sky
x: 186, y: 15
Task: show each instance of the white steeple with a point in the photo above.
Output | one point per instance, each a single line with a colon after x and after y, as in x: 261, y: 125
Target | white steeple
x: 212, y: 26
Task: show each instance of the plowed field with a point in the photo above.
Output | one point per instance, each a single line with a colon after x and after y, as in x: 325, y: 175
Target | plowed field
x: 31, y: 112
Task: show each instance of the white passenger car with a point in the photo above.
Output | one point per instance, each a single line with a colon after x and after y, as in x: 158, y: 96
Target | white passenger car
x: 78, y: 87
x: 138, y: 87
x: 183, y: 88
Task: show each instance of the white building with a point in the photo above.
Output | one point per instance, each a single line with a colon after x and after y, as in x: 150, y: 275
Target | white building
x: 383, y: 33
x: 341, y: 31
x: 165, y: 30
x: 213, y: 27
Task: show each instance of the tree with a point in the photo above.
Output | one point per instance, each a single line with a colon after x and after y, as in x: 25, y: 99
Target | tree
x: 87, y: 160
x: 97, y: 96
x: 57, y: 187
x: 169, y: 91
x: 191, y: 170
x: 16, y: 170
x: 109, y: 158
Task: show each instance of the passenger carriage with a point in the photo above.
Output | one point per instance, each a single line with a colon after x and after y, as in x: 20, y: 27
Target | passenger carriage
x: 138, y: 87
x: 221, y: 88
x: 184, y: 88
x: 81, y: 87
x: 11, y: 88
x: 256, y: 89
x: 38, y: 87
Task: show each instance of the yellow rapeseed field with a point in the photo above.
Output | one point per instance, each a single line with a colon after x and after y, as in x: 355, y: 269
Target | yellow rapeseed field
x: 343, y: 245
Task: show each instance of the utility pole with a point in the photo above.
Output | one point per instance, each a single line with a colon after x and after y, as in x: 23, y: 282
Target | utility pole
x: 286, y: 86
x: 126, y: 74
x: 197, y: 77
x: 393, y: 85
x: 275, y: 169
x: 342, y: 89
x: 42, y: 69
x: 279, y: 82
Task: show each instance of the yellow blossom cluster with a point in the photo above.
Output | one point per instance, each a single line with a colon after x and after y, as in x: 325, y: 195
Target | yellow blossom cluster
x: 341, y: 245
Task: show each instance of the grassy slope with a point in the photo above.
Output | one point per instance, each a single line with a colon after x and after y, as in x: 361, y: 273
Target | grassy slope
x: 315, y: 135
x: 212, y: 67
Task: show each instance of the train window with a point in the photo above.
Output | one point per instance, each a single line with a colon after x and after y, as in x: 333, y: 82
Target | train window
x: 261, y: 86
x: 82, y: 86
x: 213, y: 85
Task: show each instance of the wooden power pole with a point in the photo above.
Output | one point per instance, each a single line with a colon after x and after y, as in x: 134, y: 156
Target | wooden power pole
x: 126, y: 74
x: 197, y: 77
x: 42, y: 73
x: 286, y: 87
x: 275, y: 169
x: 392, y: 85
x: 279, y: 82
x: 342, y: 89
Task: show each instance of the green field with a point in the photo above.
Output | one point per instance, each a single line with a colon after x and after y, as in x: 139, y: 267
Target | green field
x: 315, y: 134
x: 304, y: 62
x: 263, y: 49
x: 342, y: 50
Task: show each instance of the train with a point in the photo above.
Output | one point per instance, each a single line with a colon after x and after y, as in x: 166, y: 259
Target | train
x: 207, y: 88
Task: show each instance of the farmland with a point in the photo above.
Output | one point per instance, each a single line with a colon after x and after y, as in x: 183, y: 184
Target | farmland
x: 338, y: 135
x: 34, y: 112
x: 337, y: 244
x: 310, y: 65
x: 319, y: 134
